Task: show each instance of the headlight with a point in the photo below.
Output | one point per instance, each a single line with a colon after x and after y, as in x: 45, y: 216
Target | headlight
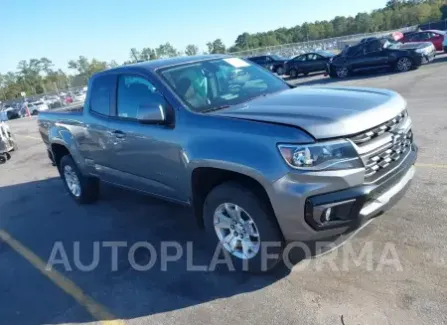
x: 331, y: 155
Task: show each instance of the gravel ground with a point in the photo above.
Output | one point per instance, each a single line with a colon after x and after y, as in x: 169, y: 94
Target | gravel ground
x: 331, y: 289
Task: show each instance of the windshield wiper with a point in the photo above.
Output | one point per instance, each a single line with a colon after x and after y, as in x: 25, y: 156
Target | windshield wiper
x: 216, y: 108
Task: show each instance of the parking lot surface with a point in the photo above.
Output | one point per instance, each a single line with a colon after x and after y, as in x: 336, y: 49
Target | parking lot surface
x: 331, y: 289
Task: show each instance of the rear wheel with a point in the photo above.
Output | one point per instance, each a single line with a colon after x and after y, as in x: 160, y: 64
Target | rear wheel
x: 404, y: 64
x: 81, y: 188
x: 243, y: 227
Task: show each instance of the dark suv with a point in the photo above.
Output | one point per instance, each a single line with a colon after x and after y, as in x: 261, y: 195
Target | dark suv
x: 273, y: 63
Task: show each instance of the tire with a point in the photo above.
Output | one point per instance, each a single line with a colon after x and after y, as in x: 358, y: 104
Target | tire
x: 88, y: 187
x: 404, y: 64
x: 2, y: 158
x: 341, y: 72
x: 280, y: 71
x: 293, y: 74
x: 35, y: 112
x: 264, y: 228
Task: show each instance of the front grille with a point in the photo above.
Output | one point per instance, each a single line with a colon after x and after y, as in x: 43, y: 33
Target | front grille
x: 378, y: 130
x: 382, y: 147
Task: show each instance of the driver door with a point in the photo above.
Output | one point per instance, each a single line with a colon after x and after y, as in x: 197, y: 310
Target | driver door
x: 144, y: 157
x: 375, y: 56
x: 315, y: 62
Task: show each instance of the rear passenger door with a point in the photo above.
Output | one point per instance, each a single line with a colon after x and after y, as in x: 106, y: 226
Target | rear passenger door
x: 145, y: 157
x: 375, y: 56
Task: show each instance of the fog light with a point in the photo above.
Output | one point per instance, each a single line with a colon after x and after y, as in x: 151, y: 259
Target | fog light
x: 329, y: 215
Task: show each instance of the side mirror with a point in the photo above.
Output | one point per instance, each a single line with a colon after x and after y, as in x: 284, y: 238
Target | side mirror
x: 153, y: 112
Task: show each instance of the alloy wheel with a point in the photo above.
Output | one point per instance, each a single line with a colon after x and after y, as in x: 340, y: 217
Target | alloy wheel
x: 404, y: 64
x: 72, y: 180
x: 342, y: 72
x: 237, y: 231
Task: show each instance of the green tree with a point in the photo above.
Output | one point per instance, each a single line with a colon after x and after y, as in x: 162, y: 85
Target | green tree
x: 444, y: 11
x: 191, y: 49
x: 86, y: 68
x: 166, y: 51
x: 217, y: 46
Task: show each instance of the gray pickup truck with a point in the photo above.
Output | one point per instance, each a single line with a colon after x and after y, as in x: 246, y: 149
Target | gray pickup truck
x: 258, y: 160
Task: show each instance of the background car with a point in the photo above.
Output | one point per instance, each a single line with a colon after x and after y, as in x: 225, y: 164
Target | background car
x: 434, y: 36
x: 274, y: 63
x: 36, y: 107
x: 79, y: 97
x: 307, y: 63
x: 380, y: 54
x: 12, y: 112
x: 444, y: 44
x: 68, y: 99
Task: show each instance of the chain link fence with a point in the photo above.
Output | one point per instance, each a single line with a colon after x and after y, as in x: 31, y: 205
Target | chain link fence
x: 330, y: 44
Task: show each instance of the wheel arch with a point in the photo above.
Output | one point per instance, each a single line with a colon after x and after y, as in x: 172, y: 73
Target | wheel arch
x: 204, y: 179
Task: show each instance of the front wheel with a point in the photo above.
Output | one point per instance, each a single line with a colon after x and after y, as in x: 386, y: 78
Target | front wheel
x: 293, y: 74
x: 280, y: 71
x: 404, y: 64
x: 244, y: 229
x: 81, y: 188
x: 342, y: 72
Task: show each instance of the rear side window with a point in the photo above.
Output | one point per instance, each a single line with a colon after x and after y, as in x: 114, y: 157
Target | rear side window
x: 101, y: 93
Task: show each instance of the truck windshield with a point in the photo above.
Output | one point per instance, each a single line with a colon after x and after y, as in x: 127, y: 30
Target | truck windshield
x: 213, y: 84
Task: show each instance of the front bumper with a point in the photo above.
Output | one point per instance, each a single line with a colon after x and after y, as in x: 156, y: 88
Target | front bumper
x: 424, y: 58
x: 294, y: 194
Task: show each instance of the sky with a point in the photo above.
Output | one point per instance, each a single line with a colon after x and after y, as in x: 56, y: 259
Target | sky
x: 107, y: 30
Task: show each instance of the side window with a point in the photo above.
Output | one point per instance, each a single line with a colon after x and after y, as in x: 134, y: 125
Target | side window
x: 268, y: 59
x: 100, y: 96
x: 415, y: 37
x: 132, y: 93
x: 372, y: 47
x: 300, y: 58
x: 313, y: 57
x: 424, y: 36
x: 354, y: 51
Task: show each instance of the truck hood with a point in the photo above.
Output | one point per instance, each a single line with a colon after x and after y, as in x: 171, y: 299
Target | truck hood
x: 324, y: 112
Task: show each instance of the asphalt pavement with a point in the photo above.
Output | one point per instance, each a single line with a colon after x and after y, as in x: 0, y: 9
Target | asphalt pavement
x: 400, y: 278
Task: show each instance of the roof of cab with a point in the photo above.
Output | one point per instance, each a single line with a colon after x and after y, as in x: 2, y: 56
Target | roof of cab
x: 164, y: 63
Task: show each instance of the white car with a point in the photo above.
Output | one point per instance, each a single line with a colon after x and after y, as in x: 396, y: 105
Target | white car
x: 50, y: 100
x: 36, y: 107
x: 79, y: 97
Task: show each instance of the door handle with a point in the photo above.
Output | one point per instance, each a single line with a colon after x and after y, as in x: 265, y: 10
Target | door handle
x: 118, y: 134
